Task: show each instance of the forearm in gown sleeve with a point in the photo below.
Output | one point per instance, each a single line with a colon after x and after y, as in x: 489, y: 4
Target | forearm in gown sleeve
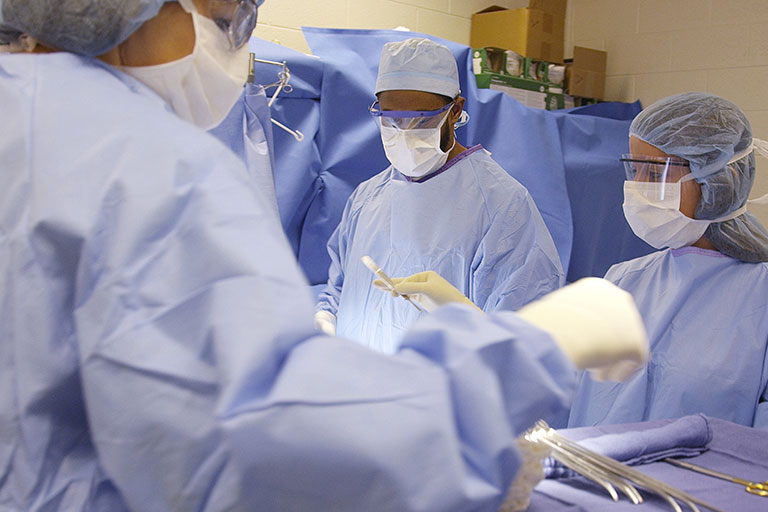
x: 517, y: 262
x: 206, y: 389
x: 330, y: 296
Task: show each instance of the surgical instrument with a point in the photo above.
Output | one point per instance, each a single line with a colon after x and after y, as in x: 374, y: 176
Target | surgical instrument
x: 606, y: 471
x: 376, y: 269
x: 757, y: 488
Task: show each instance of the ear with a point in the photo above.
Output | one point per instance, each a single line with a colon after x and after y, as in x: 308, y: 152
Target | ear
x: 457, y: 108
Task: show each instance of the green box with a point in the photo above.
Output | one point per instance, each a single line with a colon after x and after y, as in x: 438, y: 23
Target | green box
x: 490, y: 73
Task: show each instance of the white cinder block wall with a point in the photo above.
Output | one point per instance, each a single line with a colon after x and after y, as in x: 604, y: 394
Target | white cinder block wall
x: 281, y: 20
x: 661, y: 47
x: 655, y: 47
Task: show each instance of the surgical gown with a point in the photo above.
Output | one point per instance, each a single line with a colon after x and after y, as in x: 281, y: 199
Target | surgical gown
x: 157, y: 350
x: 707, y: 321
x: 247, y: 131
x: 473, y: 224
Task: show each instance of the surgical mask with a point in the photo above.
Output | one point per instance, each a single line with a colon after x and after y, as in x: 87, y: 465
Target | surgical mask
x: 415, y: 152
x: 653, y: 212
x: 203, y: 86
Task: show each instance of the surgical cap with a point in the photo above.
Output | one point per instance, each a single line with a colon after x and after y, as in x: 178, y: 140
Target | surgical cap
x: 418, y: 64
x: 715, y: 137
x: 87, y: 27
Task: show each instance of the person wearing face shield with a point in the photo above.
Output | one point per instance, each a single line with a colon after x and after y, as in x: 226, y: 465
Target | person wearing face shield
x: 439, y: 206
x: 704, y: 295
x: 207, y: 86
x: 201, y: 74
x: 157, y: 350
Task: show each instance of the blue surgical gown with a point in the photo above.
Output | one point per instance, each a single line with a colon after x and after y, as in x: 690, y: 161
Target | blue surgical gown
x: 473, y: 224
x: 157, y: 350
x: 247, y: 131
x: 707, y: 321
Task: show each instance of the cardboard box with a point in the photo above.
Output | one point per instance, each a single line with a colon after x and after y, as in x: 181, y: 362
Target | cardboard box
x: 532, y: 33
x: 585, y: 75
x: 550, y: 6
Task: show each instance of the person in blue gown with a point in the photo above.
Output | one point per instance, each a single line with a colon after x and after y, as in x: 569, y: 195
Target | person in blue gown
x: 439, y: 206
x: 704, y: 295
x: 157, y: 348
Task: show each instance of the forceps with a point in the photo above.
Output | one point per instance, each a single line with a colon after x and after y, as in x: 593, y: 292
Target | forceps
x: 283, y: 76
x: 608, y: 472
x: 757, y: 488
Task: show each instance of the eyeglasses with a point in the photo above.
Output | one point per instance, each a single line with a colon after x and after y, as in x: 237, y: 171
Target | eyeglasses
x: 655, y: 169
x: 409, y: 119
x: 237, y: 23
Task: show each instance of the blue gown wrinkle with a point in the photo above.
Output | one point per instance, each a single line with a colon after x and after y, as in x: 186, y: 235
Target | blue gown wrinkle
x: 706, y: 316
x: 473, y: 224
x: 157, y: 350
x: 247, y: 131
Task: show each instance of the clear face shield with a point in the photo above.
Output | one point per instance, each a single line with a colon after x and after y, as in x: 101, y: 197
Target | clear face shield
x: 658, y: 174
x: 410, y: 119
x: 237, y: 18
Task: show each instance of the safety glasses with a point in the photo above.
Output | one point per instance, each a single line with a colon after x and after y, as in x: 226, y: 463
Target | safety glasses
x: 237, y: 18
x: 651, y: 169
x: 409, y: 119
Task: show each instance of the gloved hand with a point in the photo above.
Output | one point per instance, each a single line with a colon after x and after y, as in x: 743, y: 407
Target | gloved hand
x: 596, y: 324
x: 429, y: 289
x: 531, y: 472
x: 325, y: 321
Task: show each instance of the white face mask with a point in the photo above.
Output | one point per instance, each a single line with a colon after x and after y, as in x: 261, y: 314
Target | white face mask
x: 659, y: 222
x: 203, y: 86
x: 415, y: 152
x: 653, y: 212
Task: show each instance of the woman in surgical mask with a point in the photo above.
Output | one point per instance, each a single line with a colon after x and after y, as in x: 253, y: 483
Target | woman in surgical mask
x: 200, y: 70
x: 202, y: 64
x: 704, y: 295
x: 660, y: 198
